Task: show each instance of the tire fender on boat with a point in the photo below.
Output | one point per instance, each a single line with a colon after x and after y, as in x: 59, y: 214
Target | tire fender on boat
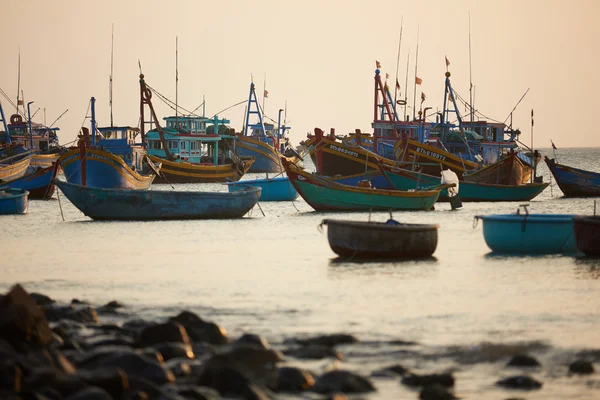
x: 16, y: 119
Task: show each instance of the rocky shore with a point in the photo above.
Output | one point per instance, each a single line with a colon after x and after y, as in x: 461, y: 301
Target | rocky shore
x: 51, y: 350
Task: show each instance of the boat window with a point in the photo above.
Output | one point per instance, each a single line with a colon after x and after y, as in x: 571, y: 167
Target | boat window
x: 183, y: 145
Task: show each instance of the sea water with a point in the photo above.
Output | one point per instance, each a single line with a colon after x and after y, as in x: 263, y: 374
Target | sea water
x: 465, y: 310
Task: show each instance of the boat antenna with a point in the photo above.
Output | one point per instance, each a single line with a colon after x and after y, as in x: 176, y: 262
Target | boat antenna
x: 406, y: 84
x: 415, y: 85
x: 470, y: 74
x: 516, y: 105
x: 398, y: 63
x: 110, y: 85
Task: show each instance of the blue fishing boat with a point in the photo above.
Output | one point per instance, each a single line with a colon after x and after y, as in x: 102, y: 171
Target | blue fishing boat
x: 37, y: 181
x: 13, y: 201
x: 273, y: 189
x: 262, y: 141
x: 404, y: 179
x: 113, y: 161
x: 524, y: 233
x: 139, y: 205
x: 574, y: 182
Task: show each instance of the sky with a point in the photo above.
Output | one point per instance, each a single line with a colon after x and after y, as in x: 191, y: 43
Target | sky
x: 318, y: 58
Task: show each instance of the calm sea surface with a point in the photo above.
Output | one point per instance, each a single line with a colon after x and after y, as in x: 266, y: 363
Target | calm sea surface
x: 276, y: 275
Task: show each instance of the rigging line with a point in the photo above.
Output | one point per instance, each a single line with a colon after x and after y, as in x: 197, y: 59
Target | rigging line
x: 236, y: 104
x: 516, y: 105
x: 169, y: 102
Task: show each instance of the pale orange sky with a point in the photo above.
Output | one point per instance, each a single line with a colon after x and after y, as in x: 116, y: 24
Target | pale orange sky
x: 318, y: 55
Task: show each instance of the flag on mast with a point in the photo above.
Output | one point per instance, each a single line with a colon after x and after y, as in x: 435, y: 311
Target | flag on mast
x: 397, y: 85
x: 377, y: 64
x: 418, y: 80
x: 447, y: 62
x: 422, y: 97
x: 553, y: 146
x: 266, y: 94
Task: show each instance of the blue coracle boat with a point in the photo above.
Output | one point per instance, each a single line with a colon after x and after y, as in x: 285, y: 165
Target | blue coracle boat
x: 138, y: 205
x: 273, y: 189
x: 524, y: 233
x: 13, y: 201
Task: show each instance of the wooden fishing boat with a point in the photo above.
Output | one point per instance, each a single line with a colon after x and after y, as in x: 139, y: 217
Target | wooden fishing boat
x: 134, y: 205
x: 273, y: 189
x: 186, y: 172
x: 524, y: 233
x: 13, y: 167
x: 375, y: 178
x: 323, y: 194
x: 574, y: 182
x: 13, y: 201
x: 37, y: 181
x: 404, y: 179
x: 391, y: 239
x: 510, y: 170
x: 587, y: 234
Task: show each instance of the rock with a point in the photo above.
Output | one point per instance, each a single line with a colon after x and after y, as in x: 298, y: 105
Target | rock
x: 113, y: 380
x: 22, y: 322
x: 257, y: 340
x: 135, y: 326
x: 391, y: 371
x: 198, y: 393
x: 226, y: 380
x: 329, y: 340
x: 42, y: 377
x: 291, y: 379
x: 519, y: 382
x: 51, y: 359
x: 180, y: 367
x: 342, y: 381
x: 523, y: 360
x: 444, y: 379
x: 200, y: 330
x: 113, y: 304
x: 314, y: 352
x: 134, y: 365
x: 80, y: 302
x: 436, y: 392
x: 83, y: 314
x: 41, y: 299
x: 90, y: 393
x: 171, y: 350
x: 108, y: 340
x: 581, y: 367
x: 161, y: 333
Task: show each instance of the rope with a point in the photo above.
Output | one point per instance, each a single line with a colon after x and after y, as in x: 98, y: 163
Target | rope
x: 60, y: 205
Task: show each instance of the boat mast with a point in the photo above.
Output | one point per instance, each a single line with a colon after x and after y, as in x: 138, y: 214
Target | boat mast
x: 110, y: 85
x: 19, y: 81
x: 145, y: 96
x: 398, y: 63
x: 470, y: 75
x: 415, y: 85
x: 176, y: 76
x: 406, y: 84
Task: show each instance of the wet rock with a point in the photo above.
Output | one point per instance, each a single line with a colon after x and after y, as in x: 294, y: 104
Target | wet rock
x: 41, y: 299
x: 180, y: 367
x: 328, y: 340
x: 291, y: 379
x: 252, y: 339
x: 6, y: 350
x: 135, y: 326
x: 581, y: 367
x: 113, y: 380
x: 400, y: 342
x: 83, y: 314
x: 80, y: 302
x: 225, y: 380
x: 161, y: 333
x: 140, y: 385
x: 133, y: 365
x: 444, y: 379
x: 523, y: 360
x: 43, y: 377
x: 523, y: 382
x: 200, y: 330
x: 198, y: 393
x: 51, y: 359
x: 22, y: 322
x: 171, y: 350
x: 108, y: 340
x: 436, y: 392
x: 90, y: 393
x: 391, y: 371
x: 314, y: 352
x: 342, y: 381
x: 202, y: 350
x: 113, y: 304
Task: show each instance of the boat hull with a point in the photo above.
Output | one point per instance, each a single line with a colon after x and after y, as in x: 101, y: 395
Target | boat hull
x: 529, y: 234
x: 139, y: 205
x: 587, y: 234
x: 511, y: 170
x: 574, y: 182
x: 102, y: 170
x: 38, y: 182
x: 325, y: 195
x: 174, y: 172
x: 273, y: 189
x: 376, y: 178
x: 433, y: 158
x: 379, y: 240
x: 266, y: 157
x: 44, y: 160
x: 403, y: 179
x: 13, y: 201
x: 14, y: 170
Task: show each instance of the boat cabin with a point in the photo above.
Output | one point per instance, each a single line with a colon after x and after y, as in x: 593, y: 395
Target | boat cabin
x: 127, y: 133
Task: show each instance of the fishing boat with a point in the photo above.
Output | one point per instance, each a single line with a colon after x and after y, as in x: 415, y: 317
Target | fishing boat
x: 37, y: 181
x: 13, y: 201
x: 189, y: 149
x: 574, y: 182
x: 262, y: 141
x: 371, y: 240
x: 524, y: 233
x: 323, y: 194
x: 587, y: 234
x: 405, y: 179
x: 14, y: 167
x: 375, y: 178
x: 273, y: 189
x: 137, y: 205
x: 110, y: 162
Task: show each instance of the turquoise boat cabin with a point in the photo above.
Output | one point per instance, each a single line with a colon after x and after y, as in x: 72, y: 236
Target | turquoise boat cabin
x: 193, y: 139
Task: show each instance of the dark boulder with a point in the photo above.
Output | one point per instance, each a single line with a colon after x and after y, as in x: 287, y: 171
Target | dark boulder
x: 225, y: 380
x: 200, y: 330
x: 523, y: 382
x: 444, y: 379
x: 291, y: 379
x: 252, y: 339
x: 197, y: 392
x: 161, y: 333
x: 90, y: 393
x: 328, y: 340
x: 113, y: 380
x: 391, y: 371
x: 342, y: 381
x: 581, y: 367
x: 436, y: 392
x: 314, y: 352
x: 523, y: 360
x: 171, y: 350
x: 41, y: 299
x: 84, y: 314
x: 134, y: 365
